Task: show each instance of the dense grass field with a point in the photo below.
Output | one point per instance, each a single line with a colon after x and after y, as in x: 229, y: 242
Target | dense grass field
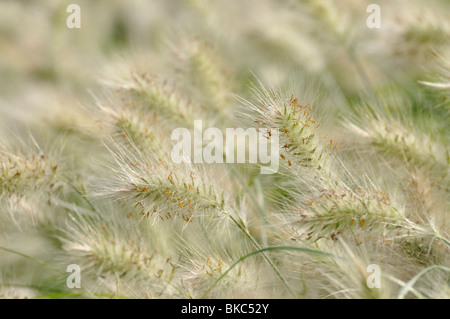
x: 93, y: 205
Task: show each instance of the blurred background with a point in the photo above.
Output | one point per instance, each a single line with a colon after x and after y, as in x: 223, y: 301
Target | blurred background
x: 51, y: 75
x: 45, y: 66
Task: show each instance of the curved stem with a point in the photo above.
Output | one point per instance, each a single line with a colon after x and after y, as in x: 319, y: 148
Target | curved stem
x: 261, y: 251
x: 409, y: 285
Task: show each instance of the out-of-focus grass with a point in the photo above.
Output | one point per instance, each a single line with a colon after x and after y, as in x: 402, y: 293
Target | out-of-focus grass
x: 86, y: 175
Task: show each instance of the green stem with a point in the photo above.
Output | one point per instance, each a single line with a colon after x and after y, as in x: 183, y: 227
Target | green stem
x: 32, y: 259
x: 258, y: 246
x: 261, y: 251
x: 406, y: 288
